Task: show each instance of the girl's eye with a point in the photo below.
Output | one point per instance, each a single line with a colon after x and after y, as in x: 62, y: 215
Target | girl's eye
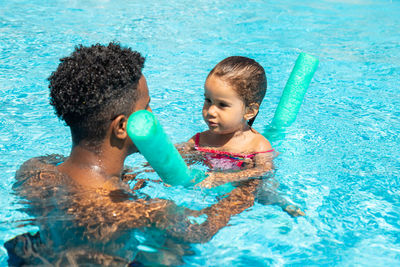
x: 223, y: 105
x: 207, y: 100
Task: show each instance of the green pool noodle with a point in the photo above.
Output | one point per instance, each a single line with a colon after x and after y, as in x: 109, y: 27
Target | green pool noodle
x: 152, y: 142
x: 295, y: 89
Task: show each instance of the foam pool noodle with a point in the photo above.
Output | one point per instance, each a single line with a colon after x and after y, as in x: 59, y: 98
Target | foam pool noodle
x: 293, y: 95
x: 152, y: 142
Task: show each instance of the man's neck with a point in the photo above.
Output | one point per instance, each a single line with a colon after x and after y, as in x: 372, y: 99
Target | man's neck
x: 93, y: 168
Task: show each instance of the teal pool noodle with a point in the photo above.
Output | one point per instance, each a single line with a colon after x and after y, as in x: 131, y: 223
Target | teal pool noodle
x: 295, y: 89
x: 153, y: 143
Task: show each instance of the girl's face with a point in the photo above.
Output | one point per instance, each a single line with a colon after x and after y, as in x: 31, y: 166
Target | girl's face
x: 223, y: 111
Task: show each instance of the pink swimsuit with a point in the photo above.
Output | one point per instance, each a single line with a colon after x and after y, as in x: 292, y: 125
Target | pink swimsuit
x: 224, y: 160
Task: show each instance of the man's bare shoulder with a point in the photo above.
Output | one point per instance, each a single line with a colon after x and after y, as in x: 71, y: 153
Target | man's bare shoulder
x: 42, y: 161
x: 38, y: 168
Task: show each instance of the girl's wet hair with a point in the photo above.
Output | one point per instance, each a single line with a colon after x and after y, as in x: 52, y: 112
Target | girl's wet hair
x: 246, y: 76
x: 94, y: 85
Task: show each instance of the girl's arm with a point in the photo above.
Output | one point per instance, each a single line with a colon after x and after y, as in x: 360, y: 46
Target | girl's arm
x: 260, y: 165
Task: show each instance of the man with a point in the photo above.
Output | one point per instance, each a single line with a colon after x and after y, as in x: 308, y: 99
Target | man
x: 86, y: 214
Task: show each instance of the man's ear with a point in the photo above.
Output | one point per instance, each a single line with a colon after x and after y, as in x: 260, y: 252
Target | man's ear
x: 251, y: 111
x: 118, y: 126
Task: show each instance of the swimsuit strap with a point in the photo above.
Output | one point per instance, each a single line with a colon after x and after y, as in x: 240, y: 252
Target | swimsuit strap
x: 197, y: 140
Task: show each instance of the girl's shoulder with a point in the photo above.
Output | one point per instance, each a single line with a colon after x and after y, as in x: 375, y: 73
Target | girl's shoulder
x: 259, y: 143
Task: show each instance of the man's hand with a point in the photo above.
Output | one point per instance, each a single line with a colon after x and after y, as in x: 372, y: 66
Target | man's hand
x: 294, y: 211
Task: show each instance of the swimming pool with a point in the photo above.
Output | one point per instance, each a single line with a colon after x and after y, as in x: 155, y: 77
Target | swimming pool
x: 339, y: 161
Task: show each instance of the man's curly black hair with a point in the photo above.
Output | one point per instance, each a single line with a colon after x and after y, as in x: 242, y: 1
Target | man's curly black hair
x: 94, y: 85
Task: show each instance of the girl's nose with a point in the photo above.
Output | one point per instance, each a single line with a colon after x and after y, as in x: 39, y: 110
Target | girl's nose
x: 212, y: 110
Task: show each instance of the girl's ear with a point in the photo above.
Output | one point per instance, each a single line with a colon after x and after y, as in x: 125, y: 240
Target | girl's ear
x: 251, y: 111
x: 118, y: 126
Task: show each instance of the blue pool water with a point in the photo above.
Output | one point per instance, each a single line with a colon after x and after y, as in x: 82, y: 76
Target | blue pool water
x: 339, y: 161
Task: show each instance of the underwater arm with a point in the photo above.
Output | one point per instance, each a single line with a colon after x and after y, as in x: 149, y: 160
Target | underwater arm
x: 215, y: 216
x: 268, y: 195
x: 181, y: 223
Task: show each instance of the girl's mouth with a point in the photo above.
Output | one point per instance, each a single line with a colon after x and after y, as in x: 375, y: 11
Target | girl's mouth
x: 211, y: 123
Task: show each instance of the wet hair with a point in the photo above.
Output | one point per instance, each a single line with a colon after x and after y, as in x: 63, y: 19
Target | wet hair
x: 94, y: 85
x: 246, y: 76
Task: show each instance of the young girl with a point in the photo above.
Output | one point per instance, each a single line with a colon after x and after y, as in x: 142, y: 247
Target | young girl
x: 233, y: 92
x: 231, y: 148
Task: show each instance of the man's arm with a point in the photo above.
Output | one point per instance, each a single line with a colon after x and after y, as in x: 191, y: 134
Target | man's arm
x: 102, y: 213
x: 217, y: 215
x: 268, y: 195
